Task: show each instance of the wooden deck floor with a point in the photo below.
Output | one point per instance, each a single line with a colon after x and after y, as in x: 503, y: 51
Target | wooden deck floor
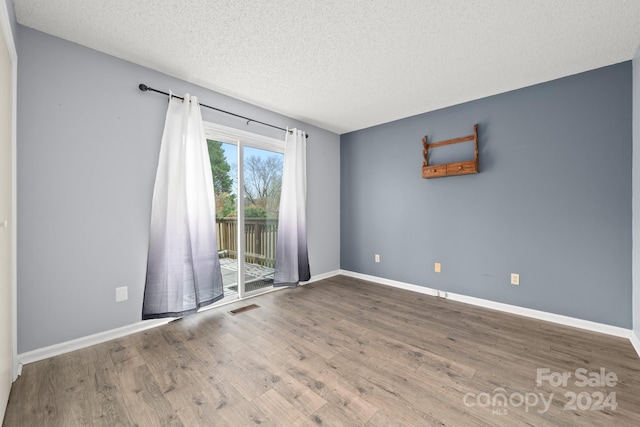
x: 340, y: 352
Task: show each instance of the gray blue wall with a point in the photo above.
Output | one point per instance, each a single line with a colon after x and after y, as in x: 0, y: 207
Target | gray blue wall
x: 88, y: 143
x: 552, y: 201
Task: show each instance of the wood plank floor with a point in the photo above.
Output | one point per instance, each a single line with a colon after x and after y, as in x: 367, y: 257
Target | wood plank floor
x: 339, y: 352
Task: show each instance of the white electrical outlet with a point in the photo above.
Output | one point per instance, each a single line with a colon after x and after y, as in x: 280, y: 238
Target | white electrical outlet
x: 122, y: 294
x: 437, y: 267
x: 515, y: 279
x: 377, y: 257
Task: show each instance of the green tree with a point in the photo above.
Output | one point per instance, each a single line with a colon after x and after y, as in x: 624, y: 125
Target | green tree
x: 222, y: 182
x: 254, y: 212
x: 225, y: 205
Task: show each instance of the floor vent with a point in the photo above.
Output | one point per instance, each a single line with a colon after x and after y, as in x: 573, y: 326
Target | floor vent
x: 243, y: 309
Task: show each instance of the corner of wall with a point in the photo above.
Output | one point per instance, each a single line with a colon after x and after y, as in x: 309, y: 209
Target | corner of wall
x: 635, y: 341
x: 635, y: 263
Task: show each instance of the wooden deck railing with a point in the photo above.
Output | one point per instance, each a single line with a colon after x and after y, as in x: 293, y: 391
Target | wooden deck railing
x: 260, y: 239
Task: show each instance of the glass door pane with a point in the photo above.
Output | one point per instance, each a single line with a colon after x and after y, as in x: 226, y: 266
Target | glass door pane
x: 224, y: 168
x: 262, y: 183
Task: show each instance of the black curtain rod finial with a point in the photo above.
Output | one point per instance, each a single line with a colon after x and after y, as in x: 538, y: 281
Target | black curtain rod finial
x: 143, y: 87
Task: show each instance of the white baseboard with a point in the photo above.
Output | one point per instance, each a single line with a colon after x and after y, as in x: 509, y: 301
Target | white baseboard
x: 543, y: 315
x: 635, y: 342
x: 389, y: 282
x: 77, y: 344
x: 321, y: 277
x: 65, y: 347
x: 513, y: 309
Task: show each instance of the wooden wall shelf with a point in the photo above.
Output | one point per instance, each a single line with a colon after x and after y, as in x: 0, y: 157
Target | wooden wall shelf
x: 450, y: 169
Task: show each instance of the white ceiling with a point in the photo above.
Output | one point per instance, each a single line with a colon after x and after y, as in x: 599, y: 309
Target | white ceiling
x: 345, y: 65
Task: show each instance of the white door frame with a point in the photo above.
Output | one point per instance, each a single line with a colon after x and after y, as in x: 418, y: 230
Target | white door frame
x: 13, y: 56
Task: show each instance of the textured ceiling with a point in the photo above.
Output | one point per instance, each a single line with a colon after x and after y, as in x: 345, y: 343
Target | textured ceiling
x: 345, y: 65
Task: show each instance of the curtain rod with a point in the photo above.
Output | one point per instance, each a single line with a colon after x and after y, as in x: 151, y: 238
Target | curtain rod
x: 143, y: 87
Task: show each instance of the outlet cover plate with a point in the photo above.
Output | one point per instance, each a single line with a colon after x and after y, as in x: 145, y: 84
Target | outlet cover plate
x: 515, y: 279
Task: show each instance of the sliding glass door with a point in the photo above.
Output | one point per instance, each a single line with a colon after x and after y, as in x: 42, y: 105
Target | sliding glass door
x: 247, y: 175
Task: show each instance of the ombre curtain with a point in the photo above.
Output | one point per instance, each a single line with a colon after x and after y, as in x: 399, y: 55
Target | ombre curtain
x: 183, y: 269
x: 292, y: 259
